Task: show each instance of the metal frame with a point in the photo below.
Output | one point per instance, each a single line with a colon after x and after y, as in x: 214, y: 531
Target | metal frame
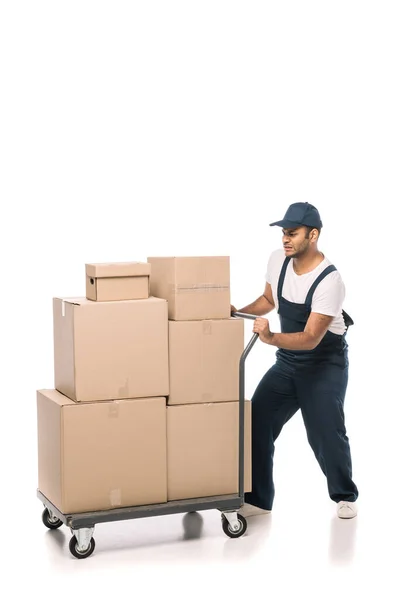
x: 226, y: 504
x: 241, y: 403
x: 89, y: 519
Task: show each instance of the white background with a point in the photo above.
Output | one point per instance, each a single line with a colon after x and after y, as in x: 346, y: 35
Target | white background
x: 135, y: 129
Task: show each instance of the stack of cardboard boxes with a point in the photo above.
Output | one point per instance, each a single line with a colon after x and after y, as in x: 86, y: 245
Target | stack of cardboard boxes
x: 145, y: 407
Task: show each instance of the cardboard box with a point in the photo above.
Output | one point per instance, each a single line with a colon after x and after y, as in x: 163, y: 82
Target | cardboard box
x: 101, y: 455
x: 110, y: 350
x: 204, y: 360
x: 203, y: 449
x: 117, y: 281
x: 196, y: 287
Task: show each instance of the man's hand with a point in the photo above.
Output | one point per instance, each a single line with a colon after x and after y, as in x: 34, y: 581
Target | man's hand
x: 261, y: 326
x: 233, y: 309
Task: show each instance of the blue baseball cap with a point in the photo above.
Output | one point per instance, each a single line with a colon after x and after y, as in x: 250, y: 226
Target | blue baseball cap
x: 300, y: 213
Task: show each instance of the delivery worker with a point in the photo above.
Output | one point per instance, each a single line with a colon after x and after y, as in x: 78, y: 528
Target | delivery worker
x: 311, y: 368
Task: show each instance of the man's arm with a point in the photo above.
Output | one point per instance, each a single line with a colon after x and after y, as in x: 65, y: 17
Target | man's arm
x: 315, y: 329
x: 263, y: 305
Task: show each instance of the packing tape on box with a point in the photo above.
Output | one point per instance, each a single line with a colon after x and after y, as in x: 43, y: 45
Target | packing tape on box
x: 198, y: 287
x: 113, y: 409
x: 115, y: 497
x: 123, y: 390
x: 63, y: 308
x: 207, y: 327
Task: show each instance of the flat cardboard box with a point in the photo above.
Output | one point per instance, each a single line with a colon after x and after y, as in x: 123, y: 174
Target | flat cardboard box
x: 110, y: 350
x: 196, y: 287
x: 204, y: 360
x: 101, y: 455
x: 203, y: 449
x: 117, y: 281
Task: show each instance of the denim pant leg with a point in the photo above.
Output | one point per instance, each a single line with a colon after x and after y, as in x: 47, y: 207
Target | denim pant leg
x: 274, y: 402
x: 321, y: 392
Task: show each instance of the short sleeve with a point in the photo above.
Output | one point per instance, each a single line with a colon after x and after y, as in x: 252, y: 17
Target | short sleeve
x: 268, y: 274
x: 329, y: 295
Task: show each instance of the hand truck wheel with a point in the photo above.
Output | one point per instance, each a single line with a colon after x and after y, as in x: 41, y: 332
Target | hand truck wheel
x: 229, y: 531
x: 50, y: 520
x: 75, y: 551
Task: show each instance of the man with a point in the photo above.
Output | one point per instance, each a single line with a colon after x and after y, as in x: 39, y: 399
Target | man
x: 311, y: 368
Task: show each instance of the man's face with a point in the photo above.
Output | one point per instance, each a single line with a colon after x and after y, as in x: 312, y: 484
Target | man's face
x: 295, y: 242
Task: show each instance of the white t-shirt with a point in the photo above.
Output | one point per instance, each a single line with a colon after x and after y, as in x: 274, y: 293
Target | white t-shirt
x: 328, y: 296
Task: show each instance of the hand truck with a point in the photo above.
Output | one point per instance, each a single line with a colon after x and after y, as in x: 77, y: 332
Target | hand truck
x: 234, y: 525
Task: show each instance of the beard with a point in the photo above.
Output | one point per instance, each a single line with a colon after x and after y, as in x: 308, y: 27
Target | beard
x: 299, y: 252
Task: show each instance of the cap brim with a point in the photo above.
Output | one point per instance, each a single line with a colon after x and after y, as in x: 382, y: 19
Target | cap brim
x: 286, y: 224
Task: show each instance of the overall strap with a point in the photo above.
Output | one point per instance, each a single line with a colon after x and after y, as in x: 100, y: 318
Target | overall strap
x: 320, y: 277
x: 282, y: 277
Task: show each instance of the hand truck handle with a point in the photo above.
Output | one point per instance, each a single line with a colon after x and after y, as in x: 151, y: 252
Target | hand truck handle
x: 242, y: 401
x: 244, y: 315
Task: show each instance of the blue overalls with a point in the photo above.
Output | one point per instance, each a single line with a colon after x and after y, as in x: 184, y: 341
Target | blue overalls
x: 314, y: 381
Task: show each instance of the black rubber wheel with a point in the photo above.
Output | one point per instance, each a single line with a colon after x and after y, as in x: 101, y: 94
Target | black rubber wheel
x: 74, y: 550
x: 229, y: 531
x: 49, y: 522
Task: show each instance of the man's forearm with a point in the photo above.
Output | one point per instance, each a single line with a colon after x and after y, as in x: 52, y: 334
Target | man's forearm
x: 293, y: 341
x: 259, y: 307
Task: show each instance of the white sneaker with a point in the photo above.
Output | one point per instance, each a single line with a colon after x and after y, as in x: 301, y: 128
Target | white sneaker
x: 346, y: 510
x: 248, y: 510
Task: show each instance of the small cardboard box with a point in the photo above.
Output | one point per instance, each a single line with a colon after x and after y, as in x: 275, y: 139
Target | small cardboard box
x: 196, y: 288
x: 117, y: 281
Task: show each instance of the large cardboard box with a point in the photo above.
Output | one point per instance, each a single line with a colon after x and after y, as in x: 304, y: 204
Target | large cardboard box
x: 196, y: 287
x: 101, y: 455
x: 117, y: 281
x: 203, y: 449
x: 110, y: 350
x: 204, y: 360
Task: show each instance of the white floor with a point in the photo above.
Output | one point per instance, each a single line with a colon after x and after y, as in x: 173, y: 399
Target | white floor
x: 301, y: 550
